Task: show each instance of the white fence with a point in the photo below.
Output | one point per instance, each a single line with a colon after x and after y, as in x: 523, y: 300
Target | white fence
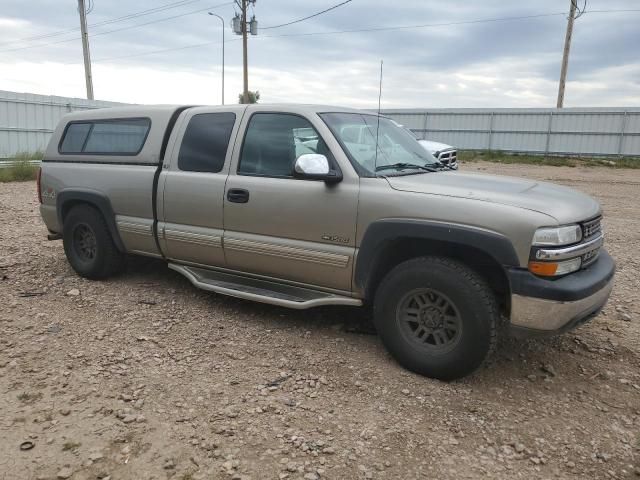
x: 567, y: 131
x: 27, y: 120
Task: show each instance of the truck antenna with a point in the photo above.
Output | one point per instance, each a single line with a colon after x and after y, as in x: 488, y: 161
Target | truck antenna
x: 375, y: 162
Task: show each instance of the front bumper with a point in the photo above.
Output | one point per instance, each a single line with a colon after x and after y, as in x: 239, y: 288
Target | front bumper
x: 541, y: 307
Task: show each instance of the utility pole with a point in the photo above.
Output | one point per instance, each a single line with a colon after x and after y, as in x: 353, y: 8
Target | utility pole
x: 242, y: 27
x: 85, y: 49
x: 565, y: 55
x: 245, y: 94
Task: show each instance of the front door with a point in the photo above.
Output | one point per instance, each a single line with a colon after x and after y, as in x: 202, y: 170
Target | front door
x: 282, y: 227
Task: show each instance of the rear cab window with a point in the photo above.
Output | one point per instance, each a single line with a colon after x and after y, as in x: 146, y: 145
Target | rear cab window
x: 124, y: 136
x: 205, y: 142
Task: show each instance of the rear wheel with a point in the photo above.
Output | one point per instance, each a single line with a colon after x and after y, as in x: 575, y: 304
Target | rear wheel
x: 436, y: 317
x: 88, y: 244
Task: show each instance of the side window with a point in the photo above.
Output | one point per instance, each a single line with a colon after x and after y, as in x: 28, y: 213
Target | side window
x: 75, y: 137
x: 274, y: 141
x: 205, y: 142
x: 106, y: 137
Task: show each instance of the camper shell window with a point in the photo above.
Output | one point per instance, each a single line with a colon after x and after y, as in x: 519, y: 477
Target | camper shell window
x: 124, y: 136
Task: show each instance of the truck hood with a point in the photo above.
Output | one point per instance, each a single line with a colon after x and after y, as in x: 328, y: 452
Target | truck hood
x: 562, y: 203
x: 434, y: 147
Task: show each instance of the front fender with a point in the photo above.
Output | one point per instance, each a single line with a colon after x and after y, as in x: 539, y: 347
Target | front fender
x: 380, y: 233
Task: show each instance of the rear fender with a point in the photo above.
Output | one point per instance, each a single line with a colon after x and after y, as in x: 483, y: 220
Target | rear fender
x: 67, y: 198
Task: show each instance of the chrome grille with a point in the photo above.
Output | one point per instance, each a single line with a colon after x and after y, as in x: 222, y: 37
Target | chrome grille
x: 591, y: 228
x: 590, y: 257
x: 448, y: 157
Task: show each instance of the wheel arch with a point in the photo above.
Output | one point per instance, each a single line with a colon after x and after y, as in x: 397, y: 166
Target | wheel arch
x: 387, y: 243
x: 69, y: 198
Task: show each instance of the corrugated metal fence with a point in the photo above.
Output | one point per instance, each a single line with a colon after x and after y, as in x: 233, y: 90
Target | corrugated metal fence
x: 27, y: 120
x: 567, y: 131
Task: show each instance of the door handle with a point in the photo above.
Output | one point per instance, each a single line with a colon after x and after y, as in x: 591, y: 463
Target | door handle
x: 238, y: 195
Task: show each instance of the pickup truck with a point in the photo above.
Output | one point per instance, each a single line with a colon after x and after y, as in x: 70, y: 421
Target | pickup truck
x: 285, y: 205
x: 445, y: 154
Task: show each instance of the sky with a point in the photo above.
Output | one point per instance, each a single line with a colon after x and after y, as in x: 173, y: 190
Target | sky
x: 458, y: 53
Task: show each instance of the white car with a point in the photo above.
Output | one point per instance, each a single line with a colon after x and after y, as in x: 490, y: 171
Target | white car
x: 446, y: 154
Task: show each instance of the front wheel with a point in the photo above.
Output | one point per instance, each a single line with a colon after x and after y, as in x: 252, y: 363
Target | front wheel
x: 436, y: 317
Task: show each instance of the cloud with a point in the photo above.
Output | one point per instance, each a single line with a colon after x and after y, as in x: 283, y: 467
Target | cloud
x: 494, y: 64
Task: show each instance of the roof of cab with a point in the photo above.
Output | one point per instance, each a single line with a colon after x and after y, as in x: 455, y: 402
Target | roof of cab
x: 165, y: 111
x: 124, y: 112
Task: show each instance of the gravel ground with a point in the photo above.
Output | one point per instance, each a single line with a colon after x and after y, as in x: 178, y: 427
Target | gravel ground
x: 143, y: 376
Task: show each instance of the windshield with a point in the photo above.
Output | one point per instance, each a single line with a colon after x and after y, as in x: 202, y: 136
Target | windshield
x: 356, y: 133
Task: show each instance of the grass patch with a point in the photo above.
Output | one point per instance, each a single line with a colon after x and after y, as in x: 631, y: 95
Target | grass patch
x: 21, y: 170
x: 27, y: 397
x: 511, y: 158
x: 66, y: 446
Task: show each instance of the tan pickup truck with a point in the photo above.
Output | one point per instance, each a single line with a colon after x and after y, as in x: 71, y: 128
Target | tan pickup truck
x: 282, y: 204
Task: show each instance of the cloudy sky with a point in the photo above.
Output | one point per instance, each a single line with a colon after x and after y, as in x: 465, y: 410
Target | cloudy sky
x: 447, y: 55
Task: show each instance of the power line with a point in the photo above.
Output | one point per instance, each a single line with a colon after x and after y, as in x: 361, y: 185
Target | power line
x: 466, y: 22
x: 130, y: 16
x: 220, y: 5
x: 361, y: 30
x: 426, y: 25
x: 579, y: 11
x: 307, y: 18
x: 66, y: 40
x: 154, y: 52
x: 371, y: 29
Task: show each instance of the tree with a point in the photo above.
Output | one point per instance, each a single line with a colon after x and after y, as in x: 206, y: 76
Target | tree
x: 253, y: 97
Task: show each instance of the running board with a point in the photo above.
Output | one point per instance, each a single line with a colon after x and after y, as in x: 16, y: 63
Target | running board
x: 261, y: 290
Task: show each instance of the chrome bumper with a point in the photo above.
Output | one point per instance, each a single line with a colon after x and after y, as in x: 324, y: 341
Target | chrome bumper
x: 554, y: 316
x: 545, y: 307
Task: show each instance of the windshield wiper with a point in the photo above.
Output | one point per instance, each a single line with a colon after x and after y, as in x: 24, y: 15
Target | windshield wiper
x: 404, y: 166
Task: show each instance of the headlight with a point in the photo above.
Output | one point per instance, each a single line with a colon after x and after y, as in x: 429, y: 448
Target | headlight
x: 555, y: 236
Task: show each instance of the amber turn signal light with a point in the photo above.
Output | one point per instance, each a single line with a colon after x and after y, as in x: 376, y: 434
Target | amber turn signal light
x: 545, y: 269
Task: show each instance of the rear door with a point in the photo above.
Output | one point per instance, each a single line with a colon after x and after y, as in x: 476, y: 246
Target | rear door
x: 280, y: 226
x: 192, y: 185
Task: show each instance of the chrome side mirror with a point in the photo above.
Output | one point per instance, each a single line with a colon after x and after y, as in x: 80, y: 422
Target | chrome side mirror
x: 313, y: 166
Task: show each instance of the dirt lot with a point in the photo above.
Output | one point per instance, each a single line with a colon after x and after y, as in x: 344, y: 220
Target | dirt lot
x: 144, y: 376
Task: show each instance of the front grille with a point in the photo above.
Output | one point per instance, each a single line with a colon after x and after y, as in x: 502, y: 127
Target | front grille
x: 448, y: 157
x: 591, y: 228
x: 590, y: 257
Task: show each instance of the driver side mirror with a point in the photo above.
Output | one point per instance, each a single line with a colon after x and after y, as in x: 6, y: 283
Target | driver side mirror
x: 313, y: 166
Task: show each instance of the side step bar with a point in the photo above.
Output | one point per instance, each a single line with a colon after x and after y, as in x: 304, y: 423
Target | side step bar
x: 261, y: 290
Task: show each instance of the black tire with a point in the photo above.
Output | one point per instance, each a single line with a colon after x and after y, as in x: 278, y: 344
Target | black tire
x: 88, y: 244
x: 456, y: 317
